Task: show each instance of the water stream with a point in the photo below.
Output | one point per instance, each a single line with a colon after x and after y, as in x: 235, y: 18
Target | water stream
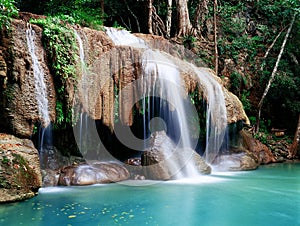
x: 39, y: 78
x: 45, y: 131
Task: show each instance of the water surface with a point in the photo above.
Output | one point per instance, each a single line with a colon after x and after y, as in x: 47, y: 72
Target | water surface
x: 267, y: 196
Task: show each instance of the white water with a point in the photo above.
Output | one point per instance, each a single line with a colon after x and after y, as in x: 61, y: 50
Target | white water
x: 216, y: 119
x: 125, y: 38
x: 161, y: 79
x: 167, y: 84
x: 83, y: 127
x: 39, y: 78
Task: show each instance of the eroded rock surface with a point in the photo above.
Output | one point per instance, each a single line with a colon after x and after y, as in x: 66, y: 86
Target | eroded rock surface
x: 18, y: 103
x: 20, y: 175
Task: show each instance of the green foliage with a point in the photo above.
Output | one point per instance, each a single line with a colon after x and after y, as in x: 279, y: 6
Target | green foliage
x: 245, y: 101
x: 7, y: 11
x: 62, y: 49
x: 189, y: 41
x: 5, y: 160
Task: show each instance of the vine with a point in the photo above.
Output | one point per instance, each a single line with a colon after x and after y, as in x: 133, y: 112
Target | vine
x: 61, y: 48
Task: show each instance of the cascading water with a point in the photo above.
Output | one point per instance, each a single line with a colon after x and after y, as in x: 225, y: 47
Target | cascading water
x: 83, y: 127
x: 161, y: 79
x: 216, y: 118
x: 166, y: 82
x: 124, y: 38
x: 45, y: 135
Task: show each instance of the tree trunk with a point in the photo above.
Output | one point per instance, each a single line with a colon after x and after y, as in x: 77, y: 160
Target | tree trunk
x: 200, y: 16
x: 102, y: 9
x: 295, y: 145
x: 215, y: 37
x: 150, y: 11
x: 169, y: 19
x: 269, y: 49
x: 184, y: 24
x: 273, y: 74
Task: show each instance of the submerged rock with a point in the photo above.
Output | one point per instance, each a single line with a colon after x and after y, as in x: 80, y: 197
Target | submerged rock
x: 94, y: 173
x: 163, y: 161
x: 20, y: 175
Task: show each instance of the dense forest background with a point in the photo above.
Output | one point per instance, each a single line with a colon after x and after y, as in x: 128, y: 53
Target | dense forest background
x: 241, y: 40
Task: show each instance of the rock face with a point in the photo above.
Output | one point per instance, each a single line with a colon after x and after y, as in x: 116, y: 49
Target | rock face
x: 162, y: 161
x: 94, y: 173
x: 108, y: 70
x: 20, y: 175
x: 18, y: 104
x: 261, y: 151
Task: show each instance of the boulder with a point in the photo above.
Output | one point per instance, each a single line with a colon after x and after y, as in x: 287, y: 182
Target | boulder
x: 260, y: 150
x: 163, y: 161
x: 236, y: 162
x: 93, y: 173
x: 20, y: 175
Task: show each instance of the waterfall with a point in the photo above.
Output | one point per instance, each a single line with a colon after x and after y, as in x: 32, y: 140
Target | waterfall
x: 39, y: 78
x: 125, y: 38
x: 161, y: 80
x: 164, y: 81
x: 45, y: 131
x: 216, y: 116
x: 83, y: 121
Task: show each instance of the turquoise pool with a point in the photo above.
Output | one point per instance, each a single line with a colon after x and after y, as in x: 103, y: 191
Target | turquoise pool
x: 267, y: 196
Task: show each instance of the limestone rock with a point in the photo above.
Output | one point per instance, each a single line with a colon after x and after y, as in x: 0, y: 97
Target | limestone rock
x: 18, y: 108
x: 94, y: 173
x: 163, y: 161
x: 20, y: 175
x: 261, y: 151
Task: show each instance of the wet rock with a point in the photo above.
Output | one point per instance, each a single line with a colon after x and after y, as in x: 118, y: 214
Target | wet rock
x: 20, y: 175
x: 236, y: 162
x: 93, y: 173
x: 163, y: 161
x: 18, y: 104
x: 134, y: 166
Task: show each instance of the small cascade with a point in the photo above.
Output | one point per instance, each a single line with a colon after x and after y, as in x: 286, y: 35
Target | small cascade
x: 125, y: 38
x: 81, y: 51
x: 45, y: 131
x: 39, y: 78
x: 83, y: 120
x: 216, y: 116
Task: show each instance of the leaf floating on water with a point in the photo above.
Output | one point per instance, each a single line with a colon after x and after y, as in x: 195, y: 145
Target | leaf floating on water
x: 72, y: 216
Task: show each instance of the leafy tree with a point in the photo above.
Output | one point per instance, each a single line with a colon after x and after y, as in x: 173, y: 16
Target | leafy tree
x: 8, y: 10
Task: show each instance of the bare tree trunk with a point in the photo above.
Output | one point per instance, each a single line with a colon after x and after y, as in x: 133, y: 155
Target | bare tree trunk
x: 295, y: 144
x: 215, y: 37
x: 150, y: 10
x: 269, y: 49
x: 273, y: 74
x: 200, y: 16
x: 169, y: 19
x: 184, y: 23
